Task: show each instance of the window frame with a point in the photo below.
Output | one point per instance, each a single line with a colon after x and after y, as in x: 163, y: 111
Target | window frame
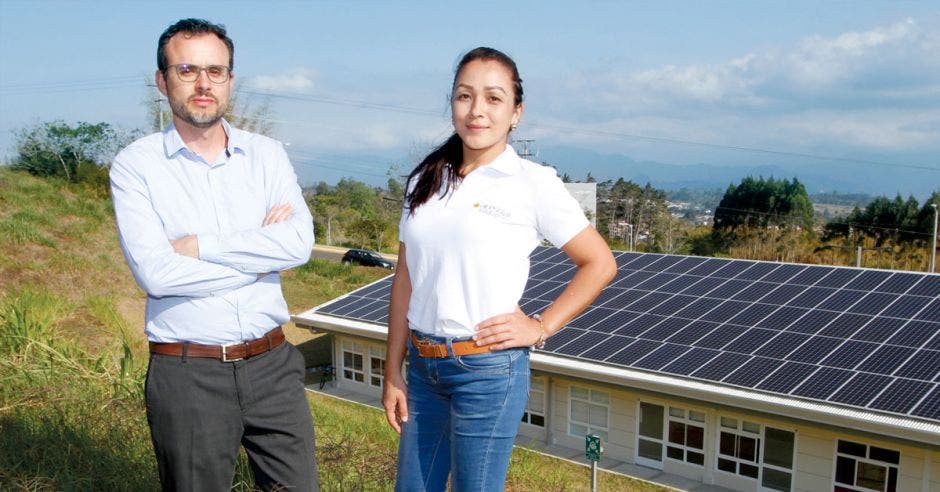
x: 687, y: 421
x: 760, y: 451
x: 867, y: 460
x: 528, y: 413
x: 377, y: 353
x: 660, y: 441
x: 355, y: 349
x: 603, y: 432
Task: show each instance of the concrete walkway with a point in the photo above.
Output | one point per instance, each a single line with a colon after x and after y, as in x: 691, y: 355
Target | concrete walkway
x: 670, y: 481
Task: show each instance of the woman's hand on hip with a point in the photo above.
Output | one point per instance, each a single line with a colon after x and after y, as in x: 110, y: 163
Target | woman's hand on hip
x: 395, y: 401
x: 508, y: 330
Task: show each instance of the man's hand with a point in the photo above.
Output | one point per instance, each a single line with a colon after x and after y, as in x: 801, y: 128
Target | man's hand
x: 186, y: 245
x: 395, y: 401
x: 278, y: 213
x: 189, y: 245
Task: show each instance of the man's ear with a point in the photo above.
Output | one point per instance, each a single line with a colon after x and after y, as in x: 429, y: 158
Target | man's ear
x: 160, y: 78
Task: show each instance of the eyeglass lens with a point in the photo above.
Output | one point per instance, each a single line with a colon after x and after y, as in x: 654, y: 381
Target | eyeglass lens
x: 189, y: 73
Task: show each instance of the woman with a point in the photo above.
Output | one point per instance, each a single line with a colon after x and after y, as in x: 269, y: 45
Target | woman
x: 473, y: 212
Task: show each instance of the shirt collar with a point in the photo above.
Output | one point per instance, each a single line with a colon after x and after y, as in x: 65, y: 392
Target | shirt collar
x: 173, y: 142
x: 507, y: 163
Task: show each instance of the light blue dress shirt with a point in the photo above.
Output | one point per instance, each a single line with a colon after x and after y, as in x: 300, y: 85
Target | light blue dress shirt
x: 163, y: 191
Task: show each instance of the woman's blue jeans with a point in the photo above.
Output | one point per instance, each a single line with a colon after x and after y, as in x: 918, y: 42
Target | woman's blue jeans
x: 463, y: 415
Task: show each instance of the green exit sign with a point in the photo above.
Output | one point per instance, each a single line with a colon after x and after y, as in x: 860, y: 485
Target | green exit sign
x: 592, y: 447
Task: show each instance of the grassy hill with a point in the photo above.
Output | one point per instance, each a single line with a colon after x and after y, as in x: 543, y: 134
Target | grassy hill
x: 73, y: 360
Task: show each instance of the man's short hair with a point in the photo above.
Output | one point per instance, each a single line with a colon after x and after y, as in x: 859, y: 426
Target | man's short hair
x: 193, y: 27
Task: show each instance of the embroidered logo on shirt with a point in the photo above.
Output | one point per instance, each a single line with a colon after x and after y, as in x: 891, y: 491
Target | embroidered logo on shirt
x: 492, y: 210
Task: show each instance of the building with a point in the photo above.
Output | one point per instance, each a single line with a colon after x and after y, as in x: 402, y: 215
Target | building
x: 586, y: 195
x: 740, y: 374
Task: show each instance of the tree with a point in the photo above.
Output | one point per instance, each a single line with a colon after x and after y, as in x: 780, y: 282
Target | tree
x: 763, y: 204
x: 886, y: 222
x: 79, y: 153
x: 762, y: 219
x: 355, y: 214
x: 629, y: 213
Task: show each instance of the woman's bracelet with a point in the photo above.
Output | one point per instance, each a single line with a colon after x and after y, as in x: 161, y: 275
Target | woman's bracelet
x: 540, y: 344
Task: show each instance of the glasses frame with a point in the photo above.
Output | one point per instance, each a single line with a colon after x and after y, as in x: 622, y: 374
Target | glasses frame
x: 200, y: 69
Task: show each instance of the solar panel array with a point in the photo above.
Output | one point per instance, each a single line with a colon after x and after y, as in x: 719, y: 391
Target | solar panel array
x: 863, y: 338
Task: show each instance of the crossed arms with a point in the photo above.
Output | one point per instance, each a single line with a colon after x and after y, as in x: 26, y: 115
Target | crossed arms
x: 208, y: 264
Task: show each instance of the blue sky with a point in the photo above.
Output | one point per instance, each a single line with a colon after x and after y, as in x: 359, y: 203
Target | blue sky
x: 367, y: 82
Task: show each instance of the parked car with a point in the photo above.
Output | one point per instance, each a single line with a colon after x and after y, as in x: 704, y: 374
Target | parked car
x: 367, y: 258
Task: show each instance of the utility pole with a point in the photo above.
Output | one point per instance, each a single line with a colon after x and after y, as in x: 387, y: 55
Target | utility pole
x: 525, y: 154
x: 933, y: 241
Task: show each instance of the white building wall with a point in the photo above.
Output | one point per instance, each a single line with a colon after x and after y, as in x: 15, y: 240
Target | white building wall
x: 815, y: 462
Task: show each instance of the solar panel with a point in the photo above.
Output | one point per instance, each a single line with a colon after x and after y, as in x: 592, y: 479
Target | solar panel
x: 722, y: 365
x: 663, y: 355
x: 869, y: 339
x: 826, y: 380
x: 753, y: 372
x: 787, y: 377
x: 690, y: 361
x: 861, y: 389
x: 814, y: 350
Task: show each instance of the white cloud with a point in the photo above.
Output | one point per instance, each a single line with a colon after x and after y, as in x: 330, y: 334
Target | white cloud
x: 874, y: 90
x: 820, y: 61
x: 873, y: 129
x: 298, y: 80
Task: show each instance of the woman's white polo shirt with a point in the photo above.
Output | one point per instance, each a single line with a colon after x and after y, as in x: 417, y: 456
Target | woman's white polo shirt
x: 468, y: 251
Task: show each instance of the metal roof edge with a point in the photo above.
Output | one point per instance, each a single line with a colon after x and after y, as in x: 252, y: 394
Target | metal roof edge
x: 887, y: 425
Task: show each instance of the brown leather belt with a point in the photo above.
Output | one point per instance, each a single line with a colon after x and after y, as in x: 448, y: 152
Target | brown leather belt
x: 225, y: 353
x: 439, y: 350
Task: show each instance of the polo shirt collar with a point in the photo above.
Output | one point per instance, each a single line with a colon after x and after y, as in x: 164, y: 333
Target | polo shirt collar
x: 507, y: 163
x: 173, y: 142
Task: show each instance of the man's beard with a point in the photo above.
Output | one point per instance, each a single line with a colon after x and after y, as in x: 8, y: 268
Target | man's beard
x: 198, y: 119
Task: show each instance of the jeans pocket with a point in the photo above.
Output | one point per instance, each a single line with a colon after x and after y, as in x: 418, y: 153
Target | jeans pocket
x: 493, y: 362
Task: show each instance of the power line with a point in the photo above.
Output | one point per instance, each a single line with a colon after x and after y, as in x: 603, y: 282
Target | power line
x: 757, y: 150
x: 126, y: 81
x: 603, y: 133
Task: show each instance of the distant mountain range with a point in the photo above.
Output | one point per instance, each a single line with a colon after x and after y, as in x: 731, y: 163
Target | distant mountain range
x: 818, y: 177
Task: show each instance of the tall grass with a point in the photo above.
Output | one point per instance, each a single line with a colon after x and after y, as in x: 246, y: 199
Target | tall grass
x: 72, y: 366
x: 69, y: 420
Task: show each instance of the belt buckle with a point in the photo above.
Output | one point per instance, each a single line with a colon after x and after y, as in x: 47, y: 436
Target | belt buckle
x: 225, y: 347
x: 421, y: 342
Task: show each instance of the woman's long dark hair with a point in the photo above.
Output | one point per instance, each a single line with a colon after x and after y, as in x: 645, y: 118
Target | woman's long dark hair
x: 448, y: 157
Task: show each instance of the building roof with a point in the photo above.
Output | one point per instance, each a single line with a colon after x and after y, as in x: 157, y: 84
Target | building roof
x: 845, y: 346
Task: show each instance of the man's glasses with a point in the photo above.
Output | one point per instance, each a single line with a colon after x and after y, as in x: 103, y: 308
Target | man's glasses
x: 217, y: 74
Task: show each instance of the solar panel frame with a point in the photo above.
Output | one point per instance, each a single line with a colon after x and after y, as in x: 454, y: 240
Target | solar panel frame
x: 824, y: 383
x: 861, y: 389
x: 854, y: 337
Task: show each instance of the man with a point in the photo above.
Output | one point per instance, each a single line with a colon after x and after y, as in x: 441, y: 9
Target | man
x: 207, y: 216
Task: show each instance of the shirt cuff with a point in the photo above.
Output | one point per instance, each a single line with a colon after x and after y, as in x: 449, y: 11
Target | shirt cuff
x: 208, y: 247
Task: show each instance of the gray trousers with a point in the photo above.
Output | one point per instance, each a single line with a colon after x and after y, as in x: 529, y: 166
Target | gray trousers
x: 201, y: 410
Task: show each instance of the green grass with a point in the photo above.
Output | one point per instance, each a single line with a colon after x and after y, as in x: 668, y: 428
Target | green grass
x: 73, y: 361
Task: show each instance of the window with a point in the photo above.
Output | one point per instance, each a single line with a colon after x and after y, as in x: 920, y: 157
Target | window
x: 680, y: 432
x: 649, y: 449
x: 740, y: 447
x: 352, y: 362
x: 376, y: 366
x: 686, y: 436
x: 860, y: 467
x: 587, y: 412
x: 535, y: 410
